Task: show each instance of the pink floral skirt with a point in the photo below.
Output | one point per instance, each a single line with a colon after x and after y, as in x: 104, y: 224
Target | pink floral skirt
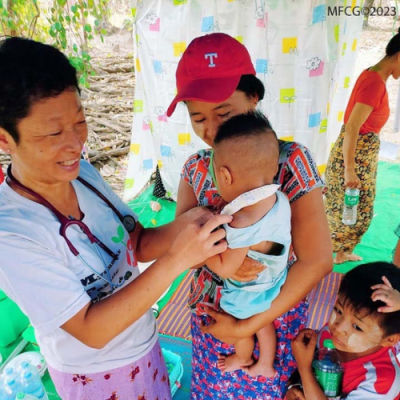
x: 145, y: 379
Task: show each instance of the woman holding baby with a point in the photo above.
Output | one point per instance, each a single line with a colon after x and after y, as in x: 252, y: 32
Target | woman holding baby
x: 214, y: 91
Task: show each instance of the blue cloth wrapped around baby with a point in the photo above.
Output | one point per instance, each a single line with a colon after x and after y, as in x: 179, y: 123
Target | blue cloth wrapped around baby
x: 245, y: 299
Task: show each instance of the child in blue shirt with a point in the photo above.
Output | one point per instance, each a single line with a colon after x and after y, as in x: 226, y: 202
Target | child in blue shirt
x: 243, y: 164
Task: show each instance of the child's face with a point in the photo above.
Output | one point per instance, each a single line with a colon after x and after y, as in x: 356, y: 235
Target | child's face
x: 354, y: 332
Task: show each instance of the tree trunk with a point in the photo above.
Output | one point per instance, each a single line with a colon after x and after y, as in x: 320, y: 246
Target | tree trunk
x: 83, y: 22
x: 10, y: 11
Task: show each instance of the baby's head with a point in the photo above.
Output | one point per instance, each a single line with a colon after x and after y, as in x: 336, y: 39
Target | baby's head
x: 246, y: 154
x: 356, y: 324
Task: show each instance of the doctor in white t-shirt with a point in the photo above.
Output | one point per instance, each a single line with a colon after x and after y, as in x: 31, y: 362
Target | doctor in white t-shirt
x: 69, y: 246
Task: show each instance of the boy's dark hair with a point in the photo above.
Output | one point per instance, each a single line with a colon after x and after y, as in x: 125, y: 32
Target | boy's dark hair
x: 393, y: 46
x: 244, y: 125
x: 356, y: 290
x: 30, y: 71
x: 251, y: 86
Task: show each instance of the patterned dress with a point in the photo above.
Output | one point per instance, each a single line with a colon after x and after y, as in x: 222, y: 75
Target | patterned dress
x: 346, y: 237
x: 369, y: 90
x: 297, y: 176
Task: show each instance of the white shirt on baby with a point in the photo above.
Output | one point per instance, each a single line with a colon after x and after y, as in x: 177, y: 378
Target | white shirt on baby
x: 51, y: 285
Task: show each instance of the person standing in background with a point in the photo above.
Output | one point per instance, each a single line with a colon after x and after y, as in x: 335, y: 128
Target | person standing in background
x: 353, y: 160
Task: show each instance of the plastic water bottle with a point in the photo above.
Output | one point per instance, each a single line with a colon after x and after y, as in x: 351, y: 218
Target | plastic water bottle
x: 4, y: 395
x: 328, y: 370
x: 26, y: 366
x: 351, y: 199
x: 10, y: 383
x: 32, y: 384
x: 25, y: 396
x: 12, y: 387
x: 8, y: 373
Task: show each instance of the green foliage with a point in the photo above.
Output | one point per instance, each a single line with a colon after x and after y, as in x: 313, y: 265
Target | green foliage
x: 72, y: 28
x: 20, y: 17
x: 69, y: 27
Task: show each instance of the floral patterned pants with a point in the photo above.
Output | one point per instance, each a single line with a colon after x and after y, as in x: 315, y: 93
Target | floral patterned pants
x: 208, y: 383
x: 346, y: 237
x: 145, y: 379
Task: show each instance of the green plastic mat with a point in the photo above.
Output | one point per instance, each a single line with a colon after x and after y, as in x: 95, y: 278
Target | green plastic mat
x: 50, y: 388
x: 141, y: 206
x: 379, y: 241
x: 184, y: 349
x: 12, y: 321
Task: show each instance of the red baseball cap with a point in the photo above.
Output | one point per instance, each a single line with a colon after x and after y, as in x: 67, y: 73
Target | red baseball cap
x: 210, y: 69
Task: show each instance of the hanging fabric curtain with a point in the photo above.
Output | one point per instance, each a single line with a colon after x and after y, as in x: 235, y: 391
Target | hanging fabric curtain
x: 304, y: 52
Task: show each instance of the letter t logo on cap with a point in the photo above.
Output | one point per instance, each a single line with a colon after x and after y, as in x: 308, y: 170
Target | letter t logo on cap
x: 211, y: 56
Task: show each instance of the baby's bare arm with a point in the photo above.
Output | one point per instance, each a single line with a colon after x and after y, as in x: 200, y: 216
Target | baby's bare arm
x: 227, y: 263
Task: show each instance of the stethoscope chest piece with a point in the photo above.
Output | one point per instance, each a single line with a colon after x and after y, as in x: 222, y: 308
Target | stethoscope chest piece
x: 129, y: 223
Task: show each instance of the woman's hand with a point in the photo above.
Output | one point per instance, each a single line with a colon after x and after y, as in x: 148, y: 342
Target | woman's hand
x: 199, y: 240
x: 303, y: 348
x: 199, y: 214
x: 385, y: 293
x: 351, y: 179
x: 152, y: 243
x: 295, y: 393
x: 248, y: 271
x: 224, y: 327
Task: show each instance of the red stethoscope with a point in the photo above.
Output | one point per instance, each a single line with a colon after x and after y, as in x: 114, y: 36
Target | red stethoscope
x: 127, y: 221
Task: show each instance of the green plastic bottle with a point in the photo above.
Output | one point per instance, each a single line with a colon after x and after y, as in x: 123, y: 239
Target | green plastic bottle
x: 328, y: 370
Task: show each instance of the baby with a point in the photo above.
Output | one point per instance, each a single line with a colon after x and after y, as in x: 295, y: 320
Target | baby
x: 243, y: 165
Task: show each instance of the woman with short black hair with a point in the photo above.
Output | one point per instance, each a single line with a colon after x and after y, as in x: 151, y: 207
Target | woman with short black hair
x: 69, y: 246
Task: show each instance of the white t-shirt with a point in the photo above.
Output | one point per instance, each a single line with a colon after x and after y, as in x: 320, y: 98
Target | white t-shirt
x: 51, y: 285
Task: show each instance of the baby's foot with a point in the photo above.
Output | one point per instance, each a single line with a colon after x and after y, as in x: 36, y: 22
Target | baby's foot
x: 232, y: 363
x: 260, y: 369
x: 342, y: 257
